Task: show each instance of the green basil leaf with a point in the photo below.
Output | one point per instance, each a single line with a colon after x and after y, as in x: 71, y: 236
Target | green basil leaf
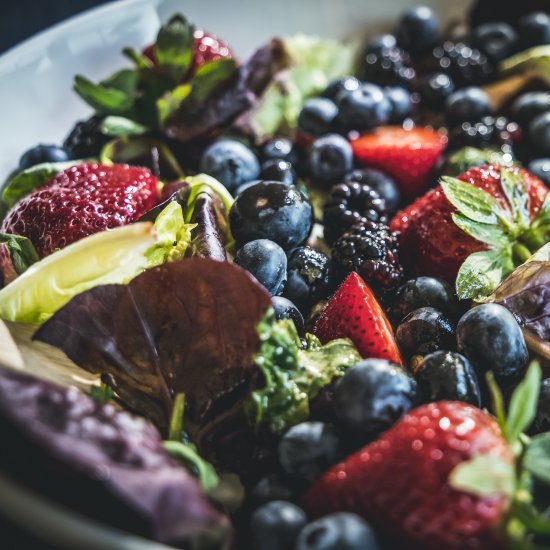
x: 138, y: 58
x: 21, y: 250
x: 174, y: 47
x: 103, y: 99
x: 514, y: 188
x: 470, y: 201
x: 484, y: 232
x: 482, y: 271
x: 523, y: 405
x: 484, y: 475
x: 536, y: 459
x: 118, y: 126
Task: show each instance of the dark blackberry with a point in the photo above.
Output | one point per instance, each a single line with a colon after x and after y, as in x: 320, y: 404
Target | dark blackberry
x: 488, y: 132
x: 372, y: 250
x: 435, y: 89
x: 389, y: 67
x: 464, y: 64
x: 350, y: 203
x: 85, y: 139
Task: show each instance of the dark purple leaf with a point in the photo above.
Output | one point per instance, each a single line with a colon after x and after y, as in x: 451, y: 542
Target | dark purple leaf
x: 208, y: 238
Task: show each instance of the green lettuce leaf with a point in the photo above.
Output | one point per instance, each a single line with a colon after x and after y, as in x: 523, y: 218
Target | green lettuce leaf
x: 115, y: 256
x: 535, y: 59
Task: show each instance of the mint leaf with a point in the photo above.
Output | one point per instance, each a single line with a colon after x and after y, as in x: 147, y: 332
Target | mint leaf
x: 174, y: 47
x: 104, y: 99
x: 523, y: 404
x: 470, y: 201
x: 514, y: 188
x: 536, y: 459
x: 484, y: 232
x: 481, y: 273
x: 21, y: 251
x: 138, y: 58
x: 117, y: 126
x: 484, y: 475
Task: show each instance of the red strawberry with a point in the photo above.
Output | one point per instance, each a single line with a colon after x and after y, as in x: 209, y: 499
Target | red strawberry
x: 401, y: 481
x: 409, y: 156
x: 431, y: 243
x: 354, y: 313
x: 84, y: 199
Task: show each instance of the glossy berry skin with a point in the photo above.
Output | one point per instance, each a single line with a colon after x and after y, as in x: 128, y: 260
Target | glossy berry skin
x: 423, y: 292
x: 279, y: 148
x: 388, y: 67
x: 371, y: 397
x: 423, y: 331
x: 84, y: 199
x: 310, y: 277
x: 418, y: 29
x: 308, y: 449
x: 208, y: 48
x: 269, y: 488
x: 534, y: 29
x: 529, y: 105
x: 86, y: 138
x: 539, y: 132
x: 271, y: 210
x: 490, y: 337
x: 467, y: 104
x: 42, y: 153
x: 337, y: 88
x: 542, y: 420
x: 447, y: 376
x: 276, y: 524
x: 278, y: 170
x: 496, y: 40
x: 231, y: 162
x: 540, y: 168
x: 364, y: 108
x: 285, y: 309
x: 383, y: 184
x: 435, y: 89
x: 381, y: 42
x: 265, y: 260
x: 340, y: 531
x: 401, y: 103
x: 421, y: 509
x: 330, y: 158
x: 317, y: 116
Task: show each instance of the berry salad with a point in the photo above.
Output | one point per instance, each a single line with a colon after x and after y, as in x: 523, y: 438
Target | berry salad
x: 312, y: 287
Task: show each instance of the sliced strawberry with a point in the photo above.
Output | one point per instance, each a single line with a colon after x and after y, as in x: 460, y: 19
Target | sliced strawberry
x: 410, y: 156
x: 354, y: 313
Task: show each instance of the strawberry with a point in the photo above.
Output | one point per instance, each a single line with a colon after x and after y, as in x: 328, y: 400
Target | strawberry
x: 431, y: 242
x: 84, y: 199
x: 354, y: 313
x: 401, y: 482
x: 409, y: 156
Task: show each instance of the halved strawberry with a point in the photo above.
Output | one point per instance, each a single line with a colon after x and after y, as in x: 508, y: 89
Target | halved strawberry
x: 410, y: 156
x: 354, y: 313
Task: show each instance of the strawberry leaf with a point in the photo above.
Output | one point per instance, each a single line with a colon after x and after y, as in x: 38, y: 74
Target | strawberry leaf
x: 537, y: 458
x: 523, y: 405
x: 484, y: 232
x: 209, y: 76
x: 538, y: 233
x: 497, y: 401
x: 514, y: 188
x: 482, y: 271
x: 174, y: 47
x: 484, y: 475
x: 141, y: 61
x: 117, y: 126
x: 104, y: 99
x: 21, y: 251
x: 472, y: 202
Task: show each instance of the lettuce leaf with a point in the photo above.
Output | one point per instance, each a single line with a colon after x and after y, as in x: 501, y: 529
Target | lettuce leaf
x: 115, y: 256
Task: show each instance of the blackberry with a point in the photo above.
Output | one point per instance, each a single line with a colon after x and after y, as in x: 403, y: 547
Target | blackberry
x: 350, y: 203
x: 464, y: 64
x: 85, y: 139
x: 389, y: 67
x: 372, y: 250
x: 488, y: 132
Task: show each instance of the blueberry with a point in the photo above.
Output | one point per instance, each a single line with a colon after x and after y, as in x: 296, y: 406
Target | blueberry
x: 435, y: 89
x: 490, y: 337
x: 337, y: 88
x: 309, y: 449
x: 380, y: 43
x: 418, y: 30
x: 340, y: 531
x: 310, y: 277
x: 364, y: 108
x: 539, y: 132
x: 285, y: 309
x: 278, y: 170
x: 269, y: 488
x: 276, y: 525
x: 529, y: 105
x: 541, y: 169
x: 401, y: 103
x: 279, y: 148
x: 330, y: 158
x: 446, y: 375
x: 468, y: 104
x: 317, y: 116
x: 542, y: 420
x: 265, y: 260
x: 271, y: 210
x: 371, y: 397
x: 244, y: 186
x: 423, y: 292
x: 496, y: 40
x: 42, y: 153
x: 381, y: 183
x: 231, y: 162
x: 534, y: 29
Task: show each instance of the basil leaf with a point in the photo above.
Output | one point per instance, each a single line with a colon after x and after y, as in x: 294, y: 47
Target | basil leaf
x: 474, y: 203
x: 523, y: 405
x: 21, y: 250
x: 482, y: 271
x: 484, y: 232
x: 536, y: 459
x: 117, y: 126
x: 484, y: 475
x: 514, y: 188
x: 103, y: 99
x: 138, y: 58
x: 174, y: 47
